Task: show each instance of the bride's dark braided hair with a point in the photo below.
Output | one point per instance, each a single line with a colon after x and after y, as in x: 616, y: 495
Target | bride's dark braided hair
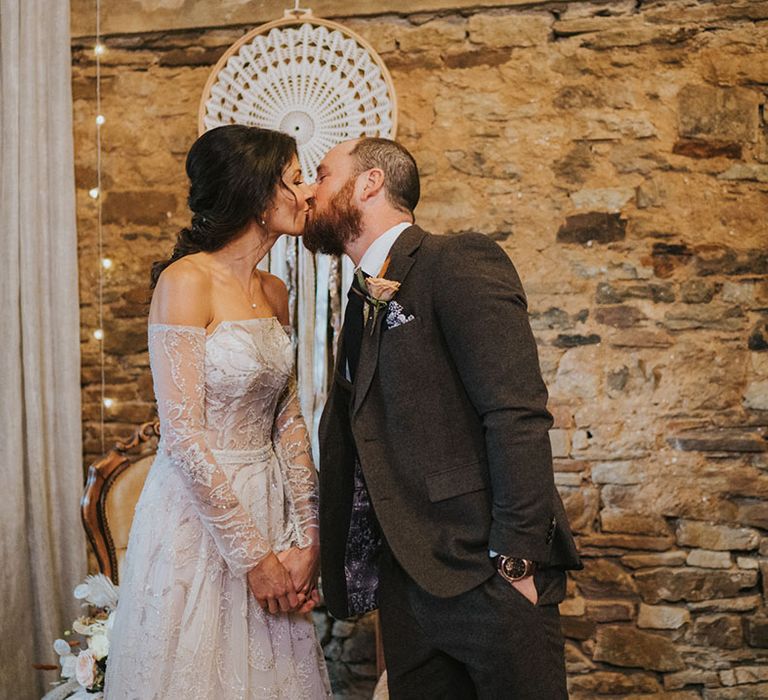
x: 234, y: 172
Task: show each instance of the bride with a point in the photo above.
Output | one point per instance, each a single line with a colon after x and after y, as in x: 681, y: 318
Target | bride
x: 222, y: 562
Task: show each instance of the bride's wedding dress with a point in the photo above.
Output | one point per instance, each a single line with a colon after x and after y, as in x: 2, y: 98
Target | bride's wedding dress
x: 233, y: 478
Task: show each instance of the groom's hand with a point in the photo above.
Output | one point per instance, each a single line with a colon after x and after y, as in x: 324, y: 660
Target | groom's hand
x: 303, y: 564
x: 271, y: 584
x: 527, y: 587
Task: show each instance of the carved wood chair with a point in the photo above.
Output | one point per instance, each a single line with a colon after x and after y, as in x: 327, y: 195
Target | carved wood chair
x: 111, y: 492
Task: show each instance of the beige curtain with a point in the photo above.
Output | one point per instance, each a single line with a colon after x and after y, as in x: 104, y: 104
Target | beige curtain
x: 42, y: 551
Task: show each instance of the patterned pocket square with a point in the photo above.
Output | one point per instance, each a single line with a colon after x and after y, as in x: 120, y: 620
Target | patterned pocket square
x: 396, y: 315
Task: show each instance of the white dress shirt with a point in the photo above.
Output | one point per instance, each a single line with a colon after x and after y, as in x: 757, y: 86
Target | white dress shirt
x: 374, y: 258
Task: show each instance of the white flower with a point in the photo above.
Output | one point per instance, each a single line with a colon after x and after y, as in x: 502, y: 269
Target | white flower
x: 99, y: 645
x: 68, y: 666
x: 61, y: 647
x: 98, y: 590
x: 88, y: 626
x: 85, y: 670
x: 67, y: 659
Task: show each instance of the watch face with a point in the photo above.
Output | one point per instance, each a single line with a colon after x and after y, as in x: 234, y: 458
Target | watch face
x: 514, y: 567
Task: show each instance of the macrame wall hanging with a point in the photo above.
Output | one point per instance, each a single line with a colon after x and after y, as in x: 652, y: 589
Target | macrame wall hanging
x: 323, y: 84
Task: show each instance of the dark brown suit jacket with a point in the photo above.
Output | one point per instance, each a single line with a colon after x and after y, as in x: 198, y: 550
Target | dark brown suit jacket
x: 448, y: 416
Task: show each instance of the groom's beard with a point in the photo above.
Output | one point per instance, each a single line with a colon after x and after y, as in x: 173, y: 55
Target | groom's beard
x: 330, y: 231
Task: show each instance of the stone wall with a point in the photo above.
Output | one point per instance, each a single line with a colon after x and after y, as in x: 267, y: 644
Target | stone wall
x: 619, y: 152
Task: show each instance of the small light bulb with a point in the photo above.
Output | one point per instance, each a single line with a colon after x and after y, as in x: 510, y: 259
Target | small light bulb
x: 108, y: 403
x: 99, y: 49
x: 100, y: 119
x: 106, y: 263
x: 93, y: 193
x: 98, y: 334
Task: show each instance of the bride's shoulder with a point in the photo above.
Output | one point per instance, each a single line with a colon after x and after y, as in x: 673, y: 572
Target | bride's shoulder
x: 190, y: 272
x: 182, y: 293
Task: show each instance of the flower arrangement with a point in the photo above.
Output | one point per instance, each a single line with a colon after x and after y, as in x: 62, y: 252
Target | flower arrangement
x: 83, y: 671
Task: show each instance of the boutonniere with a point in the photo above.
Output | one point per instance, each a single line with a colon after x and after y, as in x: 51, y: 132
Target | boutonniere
x: 379, y: 291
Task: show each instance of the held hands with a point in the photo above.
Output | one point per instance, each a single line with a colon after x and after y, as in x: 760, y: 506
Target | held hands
x: 286, y: 582
x: 302, y: 564
x: 271, y: 585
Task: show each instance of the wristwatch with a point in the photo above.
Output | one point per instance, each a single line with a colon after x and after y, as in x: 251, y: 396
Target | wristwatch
x: 514, y: 569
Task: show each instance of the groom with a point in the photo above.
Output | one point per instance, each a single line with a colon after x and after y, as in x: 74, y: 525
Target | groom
x: 437, y: 498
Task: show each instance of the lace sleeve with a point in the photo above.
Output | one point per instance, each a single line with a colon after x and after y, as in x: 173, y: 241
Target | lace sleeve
x: 292, y: 445
x: 177, y: 359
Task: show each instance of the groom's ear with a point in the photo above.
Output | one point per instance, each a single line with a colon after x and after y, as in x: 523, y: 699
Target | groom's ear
x: 372, y: 183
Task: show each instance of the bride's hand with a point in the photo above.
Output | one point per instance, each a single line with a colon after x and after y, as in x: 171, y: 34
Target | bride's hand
x: 302, y: 565
x: 272, y: 585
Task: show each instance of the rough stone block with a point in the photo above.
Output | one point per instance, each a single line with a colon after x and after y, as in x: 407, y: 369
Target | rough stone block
x: 716, y: 259
x: 699, y: 148
x: 619, y: 316
x: 696, y: 291
x: 673, y: 585
x: 613, y: 683
x: 510, y: 30
x: 626, y: 646
x: 572, y: 607
x: 560, y: 440
x: 722, y: 114
x: 576, y: 661
x: 747, y: 563
x: 662, y: 617
x: 756, y: 631
x: 721, y: 631
x: 614, y: 520
x: 608, y: 293
x: 610, y: 610
x: 577, y: 628
x: 668, y: 257
x: 741, y: 604
x: 712, y: 316
x: 757, y: 691
x: 601, y: 578
x: 618, y: 473
x: 707, y: 559
x: 603, y: 199
x: 433, y: 35
x: 719, y: 441
x: 594, y: 227
x: 575, y: 340
x: 642, y: 561
x: 676, y: 681
x: 693, y: 533
x: 581, y: 507
x: 620, y: 542
x: 741, y: 171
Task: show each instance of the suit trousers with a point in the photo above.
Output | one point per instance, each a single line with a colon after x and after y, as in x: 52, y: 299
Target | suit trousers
x: 490, y: 642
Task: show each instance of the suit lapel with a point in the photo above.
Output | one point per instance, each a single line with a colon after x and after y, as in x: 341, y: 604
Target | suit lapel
x: 400, y: 262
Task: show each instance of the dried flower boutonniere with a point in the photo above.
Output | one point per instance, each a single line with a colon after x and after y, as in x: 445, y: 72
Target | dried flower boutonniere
x: 379, y: 291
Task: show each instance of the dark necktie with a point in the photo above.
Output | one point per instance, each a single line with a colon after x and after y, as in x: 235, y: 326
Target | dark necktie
x: 353, y: 325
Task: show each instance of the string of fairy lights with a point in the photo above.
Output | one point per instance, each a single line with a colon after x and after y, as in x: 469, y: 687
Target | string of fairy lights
x: 104, y: 263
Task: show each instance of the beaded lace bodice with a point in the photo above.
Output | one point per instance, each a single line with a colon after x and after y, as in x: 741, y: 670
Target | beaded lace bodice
x: 220, y: 397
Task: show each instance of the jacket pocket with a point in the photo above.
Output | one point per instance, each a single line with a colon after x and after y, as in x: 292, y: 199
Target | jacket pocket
x: 455, y: 481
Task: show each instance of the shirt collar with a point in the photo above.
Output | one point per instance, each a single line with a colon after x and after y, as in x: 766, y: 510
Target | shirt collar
x: 373, y: 259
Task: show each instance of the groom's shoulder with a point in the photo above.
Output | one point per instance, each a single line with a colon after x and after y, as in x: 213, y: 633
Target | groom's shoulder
x: 462, y: 243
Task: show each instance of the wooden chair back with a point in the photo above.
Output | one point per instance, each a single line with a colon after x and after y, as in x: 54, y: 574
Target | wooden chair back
x: 111, y: 492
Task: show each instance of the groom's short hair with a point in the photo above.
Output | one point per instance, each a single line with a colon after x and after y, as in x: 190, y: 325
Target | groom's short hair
x: 401, y: 175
